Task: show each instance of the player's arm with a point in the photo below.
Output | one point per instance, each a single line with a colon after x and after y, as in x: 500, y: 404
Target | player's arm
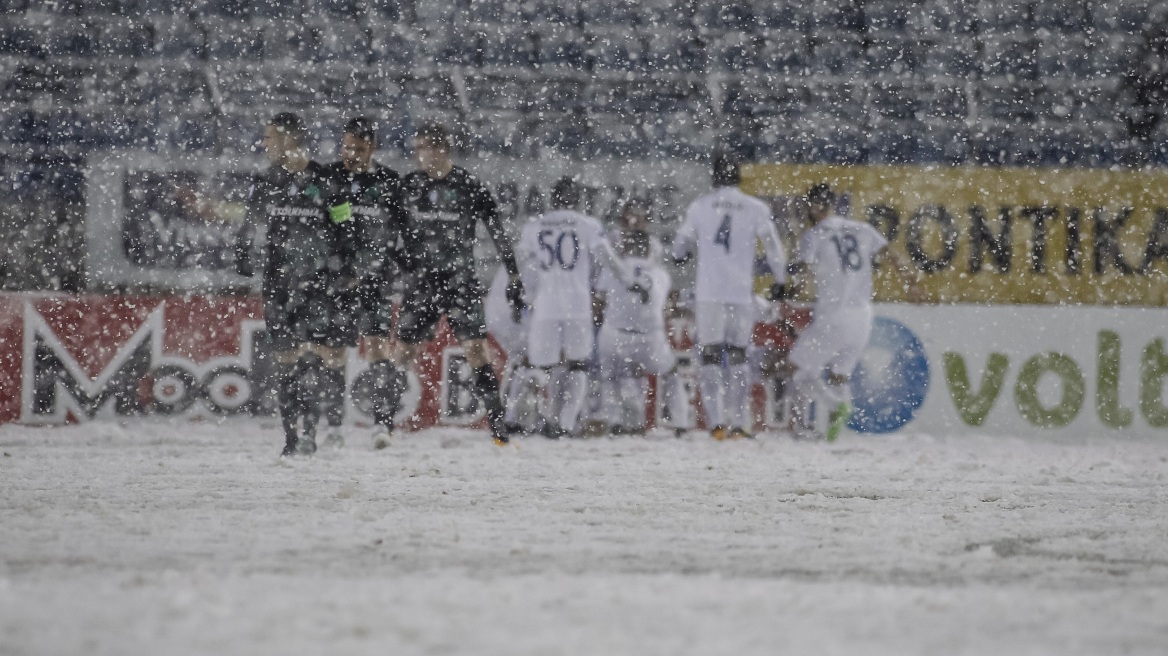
x: 685, y: 241
x: 488, y: 213
x: 606, y: 257
x: 245, y: 237
x: 910, y: 280
x: 776, y: 258
x: 345, y: 236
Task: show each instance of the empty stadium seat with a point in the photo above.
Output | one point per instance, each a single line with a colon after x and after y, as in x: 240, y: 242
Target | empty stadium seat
x: 839, y: 54
x: 1013, y: 55
x: 229, y: 40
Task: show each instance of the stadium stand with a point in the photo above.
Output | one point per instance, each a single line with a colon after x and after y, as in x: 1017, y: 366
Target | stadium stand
x: 885, y: 80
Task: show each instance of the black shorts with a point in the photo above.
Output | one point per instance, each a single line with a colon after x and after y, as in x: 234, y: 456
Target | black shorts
x: 313, y: 318
x: 458, y: 296
x: 376, y: 309
x: 281, y: 320
x: 331, y: 319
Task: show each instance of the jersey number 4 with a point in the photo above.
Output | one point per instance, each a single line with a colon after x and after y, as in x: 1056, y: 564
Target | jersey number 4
x: 553, y: 249
x: 722, y: 236
x: 849, y: 252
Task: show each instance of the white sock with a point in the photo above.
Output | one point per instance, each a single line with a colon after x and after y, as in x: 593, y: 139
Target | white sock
x: 675, y: 397
x: 515, y: 388
x: 610, y: 404
x: 711, y: 382
x: 575, y: 390
x: 738, y: 396
x: 633, y: 391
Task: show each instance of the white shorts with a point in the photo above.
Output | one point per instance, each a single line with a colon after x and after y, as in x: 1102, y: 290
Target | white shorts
x: 724, y: 323
x: 624, y: 354
x: 834, y: 341
x: 552, y: 342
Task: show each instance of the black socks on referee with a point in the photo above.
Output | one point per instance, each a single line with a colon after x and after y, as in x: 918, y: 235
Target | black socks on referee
x: 389, y: 383
x: 333, y: 395
x: 298, y: 391
x: 487, y: 386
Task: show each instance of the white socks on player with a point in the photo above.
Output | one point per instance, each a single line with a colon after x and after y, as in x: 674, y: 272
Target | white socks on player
x: 573, y: 390
x: 712, y: 383
x: 738, y: 396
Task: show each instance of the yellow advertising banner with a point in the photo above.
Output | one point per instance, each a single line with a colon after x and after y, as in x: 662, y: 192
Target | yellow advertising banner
x: 1001, y: 235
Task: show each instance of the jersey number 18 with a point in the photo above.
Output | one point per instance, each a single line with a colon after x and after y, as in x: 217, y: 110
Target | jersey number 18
x: 849, y: 252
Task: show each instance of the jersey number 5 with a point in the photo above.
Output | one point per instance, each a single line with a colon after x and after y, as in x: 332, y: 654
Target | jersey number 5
x: 849, y: 252
x: 553, y: 250
x: 722, y: 236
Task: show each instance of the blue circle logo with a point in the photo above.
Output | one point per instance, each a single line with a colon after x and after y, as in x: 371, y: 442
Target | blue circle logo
x: 890, y: 382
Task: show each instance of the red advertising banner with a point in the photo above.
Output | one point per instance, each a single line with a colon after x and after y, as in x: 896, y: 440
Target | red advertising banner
x: 70, y: 358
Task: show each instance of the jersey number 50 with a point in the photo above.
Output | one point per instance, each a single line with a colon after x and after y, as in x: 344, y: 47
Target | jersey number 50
x: 553, y: 250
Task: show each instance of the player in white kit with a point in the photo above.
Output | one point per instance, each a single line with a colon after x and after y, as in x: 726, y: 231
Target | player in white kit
x: 511, y: 333
x: 632, y: 340
x: 839, y: 254
x: 561, y: 253
x: 724, y: 228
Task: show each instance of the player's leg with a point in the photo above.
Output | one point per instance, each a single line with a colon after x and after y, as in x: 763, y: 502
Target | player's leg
x: 710, y: 319
x: 462, y: 301
x: 739, y: 330
x: 389, y: 383
x: 810, y: 356
x: 576, y: 352
x: 850, y: 334
x: 608, y: 363
x: 281, y: 322
x: 332, y: 389
x: 545, y: 347
x: 415, y: 323
x: 288, y: 396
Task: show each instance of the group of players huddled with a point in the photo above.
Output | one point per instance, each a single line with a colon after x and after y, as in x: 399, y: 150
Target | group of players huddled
x: 335, y: 238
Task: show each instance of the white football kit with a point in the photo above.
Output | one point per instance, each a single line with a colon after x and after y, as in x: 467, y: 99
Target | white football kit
x: 839, y: 253
x: 511, y: 336
x: 561, y: 254
x: 632, y: 338
x: 723, y: 229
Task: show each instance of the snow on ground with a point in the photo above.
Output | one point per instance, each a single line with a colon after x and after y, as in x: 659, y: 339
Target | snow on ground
x: 156, y: 537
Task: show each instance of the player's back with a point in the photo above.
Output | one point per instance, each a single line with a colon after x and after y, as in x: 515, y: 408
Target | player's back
x: 840, y: 252
x: 626, y: 310
x: 558, y: 250
x: 725, y: 225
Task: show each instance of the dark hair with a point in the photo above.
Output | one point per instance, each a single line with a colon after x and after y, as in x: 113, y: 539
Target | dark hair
x: 820, y: 194
x: 635, y: 243
x: 726, y: 173
x: 291, y: 124
x: 565, y: 193
x: 363, y: 128
x: 434, y: 134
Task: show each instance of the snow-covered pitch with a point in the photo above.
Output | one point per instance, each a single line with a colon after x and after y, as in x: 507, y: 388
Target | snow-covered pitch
x: 157, y: 537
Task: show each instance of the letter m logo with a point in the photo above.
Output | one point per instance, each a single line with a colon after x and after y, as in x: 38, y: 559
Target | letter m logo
x: 55, y: 387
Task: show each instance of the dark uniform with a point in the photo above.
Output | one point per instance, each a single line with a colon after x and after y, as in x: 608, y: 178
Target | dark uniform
x: 306, y: 255
x: 308, y: 260
x: 373, y: 199
x: 439, y: 236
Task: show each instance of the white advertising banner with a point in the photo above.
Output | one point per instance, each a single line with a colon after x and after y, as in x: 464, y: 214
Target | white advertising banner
x: 158, y: 223
x: 1014, y: 370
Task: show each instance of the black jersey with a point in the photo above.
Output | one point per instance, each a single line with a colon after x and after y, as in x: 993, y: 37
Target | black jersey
x: 307, y: 248
x: 373, y: 197
x: 440, y: 219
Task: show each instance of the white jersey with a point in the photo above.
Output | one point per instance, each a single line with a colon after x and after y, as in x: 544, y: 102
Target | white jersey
x: 561, y: 253
x: 500, y: 322
x: 839, y: 252
x: 624, y: 310
x: 724, y: 228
